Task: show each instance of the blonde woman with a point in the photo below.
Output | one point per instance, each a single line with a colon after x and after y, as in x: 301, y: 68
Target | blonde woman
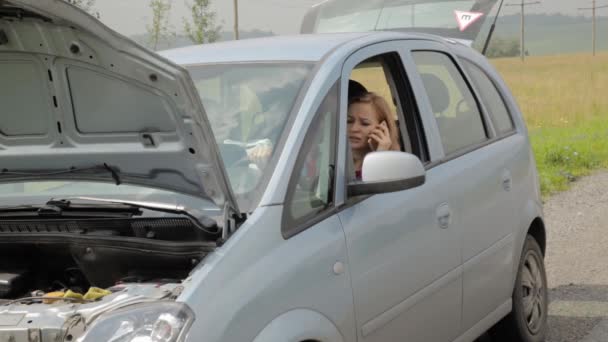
x: 371, y: 127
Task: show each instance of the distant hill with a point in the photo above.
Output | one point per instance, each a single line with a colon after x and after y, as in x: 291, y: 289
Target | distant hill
x: 554, y: 34
x: 182, y: 40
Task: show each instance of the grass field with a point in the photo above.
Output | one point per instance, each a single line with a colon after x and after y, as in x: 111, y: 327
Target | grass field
x: 565, y: 103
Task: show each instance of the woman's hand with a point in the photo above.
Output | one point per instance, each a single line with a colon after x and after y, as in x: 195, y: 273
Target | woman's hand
x: 260, y: 154
x: 380, y: 138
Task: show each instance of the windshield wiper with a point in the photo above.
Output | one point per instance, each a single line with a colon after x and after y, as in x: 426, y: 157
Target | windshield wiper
x: 93, y: 206
x: 103, y: 168
x: 203, y: 222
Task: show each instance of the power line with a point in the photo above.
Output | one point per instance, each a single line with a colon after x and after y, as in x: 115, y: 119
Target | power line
x: 522, y: 37
x: 594, y: 8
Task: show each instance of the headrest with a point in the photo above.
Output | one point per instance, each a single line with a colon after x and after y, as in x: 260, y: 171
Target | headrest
x: 438, y: 93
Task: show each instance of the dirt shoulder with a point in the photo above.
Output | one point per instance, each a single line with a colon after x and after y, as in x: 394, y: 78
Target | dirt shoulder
x: 577, y: 258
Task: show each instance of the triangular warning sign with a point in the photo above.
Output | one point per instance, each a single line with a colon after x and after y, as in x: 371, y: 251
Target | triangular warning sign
x: 465, y: 19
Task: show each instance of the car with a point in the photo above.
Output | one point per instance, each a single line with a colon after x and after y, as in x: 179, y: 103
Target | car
x: 209, y: 193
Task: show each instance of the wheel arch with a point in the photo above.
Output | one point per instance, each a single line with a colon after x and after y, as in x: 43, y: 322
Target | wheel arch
x: 538, y: 232
x: 531, y: 222
x: 300, y: 325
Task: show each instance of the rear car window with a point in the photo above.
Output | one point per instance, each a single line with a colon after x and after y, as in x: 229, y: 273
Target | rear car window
x: 491, y: 98
x: 456, y: 111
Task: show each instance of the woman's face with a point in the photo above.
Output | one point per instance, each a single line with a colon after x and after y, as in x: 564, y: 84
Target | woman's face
x: 362, y: 119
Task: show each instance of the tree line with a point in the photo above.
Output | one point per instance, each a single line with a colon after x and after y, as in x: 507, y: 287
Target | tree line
x: 201, y: 27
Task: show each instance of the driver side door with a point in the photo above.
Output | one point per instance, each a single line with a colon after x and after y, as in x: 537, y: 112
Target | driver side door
x: 403, y: 249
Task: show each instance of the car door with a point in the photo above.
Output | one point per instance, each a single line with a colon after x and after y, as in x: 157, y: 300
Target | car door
x: 475, y: 169
x: 494, y: 267
x: 403, y: 248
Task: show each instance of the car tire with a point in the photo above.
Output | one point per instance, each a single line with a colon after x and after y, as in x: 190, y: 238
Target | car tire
x: 527, y: 321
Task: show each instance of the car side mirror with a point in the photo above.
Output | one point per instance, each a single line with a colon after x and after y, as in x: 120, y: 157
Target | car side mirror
x: 388, y: 171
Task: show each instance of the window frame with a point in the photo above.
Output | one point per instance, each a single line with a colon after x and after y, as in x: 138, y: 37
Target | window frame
x: 251, y: 202
x: 291, y: 226
x: 411, y: 123
x: 498, y: 134
x: 407, y: 111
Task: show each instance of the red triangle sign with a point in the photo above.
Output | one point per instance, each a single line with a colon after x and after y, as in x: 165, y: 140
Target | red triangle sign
x: 465, y: 19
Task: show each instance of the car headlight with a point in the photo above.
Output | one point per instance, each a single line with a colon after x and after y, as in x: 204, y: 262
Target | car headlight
x: 153, y: 322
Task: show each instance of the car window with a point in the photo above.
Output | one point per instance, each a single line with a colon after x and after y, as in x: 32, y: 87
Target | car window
x: 491, y: 98
x: 456, y: 111
x: 248, y: 106
x: 373, y: 75
x: 313, y: 191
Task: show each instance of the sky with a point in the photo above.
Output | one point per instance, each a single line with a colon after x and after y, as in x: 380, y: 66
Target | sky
x: 280, y: 16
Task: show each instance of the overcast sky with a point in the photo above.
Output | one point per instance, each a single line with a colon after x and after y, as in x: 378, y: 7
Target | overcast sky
x: 280, y: 16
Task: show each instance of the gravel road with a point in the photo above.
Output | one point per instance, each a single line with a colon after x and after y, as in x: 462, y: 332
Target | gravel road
x: 577, y: 261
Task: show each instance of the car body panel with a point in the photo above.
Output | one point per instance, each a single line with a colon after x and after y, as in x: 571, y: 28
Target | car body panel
x: 305, y: 324
x: 243, y: 287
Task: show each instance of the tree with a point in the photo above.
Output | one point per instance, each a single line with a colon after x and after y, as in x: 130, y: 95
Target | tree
x: 86, y: 5
x: 202, y: 29
x: 159, y: 28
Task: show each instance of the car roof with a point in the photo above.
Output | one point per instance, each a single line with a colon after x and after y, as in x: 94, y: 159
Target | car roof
x: 304, y: 47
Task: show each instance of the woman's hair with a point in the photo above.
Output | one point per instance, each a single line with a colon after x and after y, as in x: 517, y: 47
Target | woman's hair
x: 384, y: 113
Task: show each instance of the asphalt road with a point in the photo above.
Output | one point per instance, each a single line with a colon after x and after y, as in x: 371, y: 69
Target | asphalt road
x: 577, y: 262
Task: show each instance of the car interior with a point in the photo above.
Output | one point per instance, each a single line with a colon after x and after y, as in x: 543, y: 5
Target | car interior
x: 377, y: 75
x: 374, y: 75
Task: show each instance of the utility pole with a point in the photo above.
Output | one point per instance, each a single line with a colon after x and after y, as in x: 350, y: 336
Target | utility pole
x: 236, y: 19
x: 593, y: 9
x: 522, y: 37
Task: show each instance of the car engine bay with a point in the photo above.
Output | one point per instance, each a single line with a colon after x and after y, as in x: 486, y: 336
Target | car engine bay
x: 40, y: 256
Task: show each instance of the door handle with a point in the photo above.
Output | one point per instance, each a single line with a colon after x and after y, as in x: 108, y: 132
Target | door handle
x: 506, y: 180
x: 444, y: 216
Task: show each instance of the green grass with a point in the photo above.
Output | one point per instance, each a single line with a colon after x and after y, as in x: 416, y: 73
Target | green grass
x: 564, y: 100
x: 564, y: 154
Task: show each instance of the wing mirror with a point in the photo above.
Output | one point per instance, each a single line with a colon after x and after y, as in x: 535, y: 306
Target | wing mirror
x: 388, y: 171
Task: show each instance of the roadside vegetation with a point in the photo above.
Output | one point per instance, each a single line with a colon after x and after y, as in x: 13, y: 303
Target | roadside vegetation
x: 565, y: 104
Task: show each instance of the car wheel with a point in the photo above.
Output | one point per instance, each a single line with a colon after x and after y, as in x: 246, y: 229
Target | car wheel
x: 527, y: 321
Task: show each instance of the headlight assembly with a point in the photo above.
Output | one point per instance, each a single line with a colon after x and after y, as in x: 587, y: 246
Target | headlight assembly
x: 151, y: 322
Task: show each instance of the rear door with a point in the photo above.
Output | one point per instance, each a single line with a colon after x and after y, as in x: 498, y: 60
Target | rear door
x: 476, y: 169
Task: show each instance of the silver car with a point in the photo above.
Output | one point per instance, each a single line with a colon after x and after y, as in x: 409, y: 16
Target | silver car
x: 210, y: 193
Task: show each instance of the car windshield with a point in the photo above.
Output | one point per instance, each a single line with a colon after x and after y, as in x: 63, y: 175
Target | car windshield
x: 248, y: 105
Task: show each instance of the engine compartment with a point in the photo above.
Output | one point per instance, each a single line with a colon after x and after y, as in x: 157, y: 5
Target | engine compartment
x: 45, y: 255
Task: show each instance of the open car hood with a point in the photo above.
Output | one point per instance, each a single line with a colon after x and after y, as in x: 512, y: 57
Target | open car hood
x: 458, y: 19
x: 79, y: 101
